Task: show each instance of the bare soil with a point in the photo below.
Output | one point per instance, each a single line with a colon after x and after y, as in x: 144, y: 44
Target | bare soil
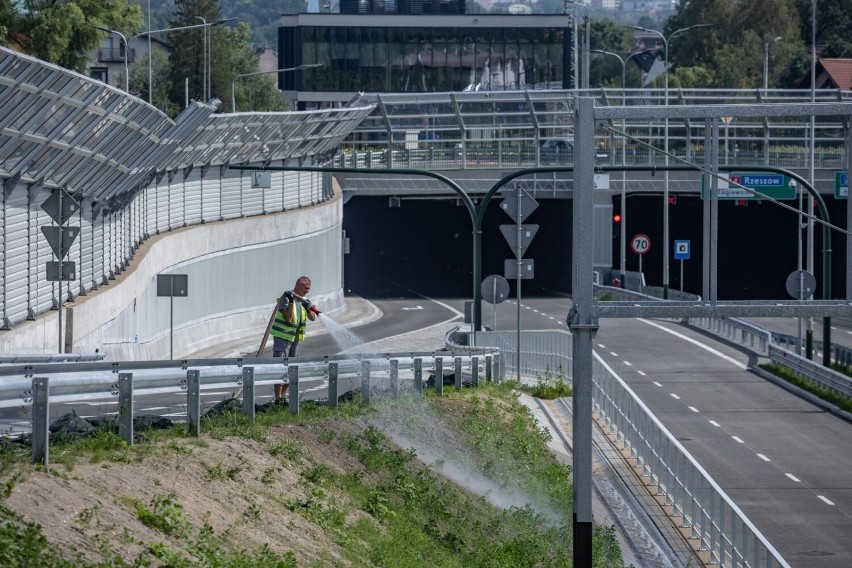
x: 236, y: 486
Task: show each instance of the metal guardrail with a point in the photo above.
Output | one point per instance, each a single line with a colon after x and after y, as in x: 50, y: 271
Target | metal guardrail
x: 818, y: 373
x: 840, y: 354
x: 722, y: 529
x: 19, y: 358
x: 41, y: 385
x: 750, y: 335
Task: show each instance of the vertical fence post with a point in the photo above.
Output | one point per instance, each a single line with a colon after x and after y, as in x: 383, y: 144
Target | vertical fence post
x: 125, y: 407
x: 332, y: 385
x: 248, y: 392
x: 193, y: 402
x: 293, y: 389
x: 457, y: 370
x: 439, y: 375
x: 418, y: 374
x: 488, y: 377
x: 365, y: 380
x: 394, y: 377
x: 41, y: 420
x: 474, y: 371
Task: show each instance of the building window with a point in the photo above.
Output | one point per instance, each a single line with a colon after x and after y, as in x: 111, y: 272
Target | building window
x: 99, y: 74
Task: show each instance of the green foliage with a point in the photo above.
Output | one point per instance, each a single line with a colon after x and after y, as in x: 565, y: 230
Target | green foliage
x: 550, y: 386
x: 23, y: 544
x: 827, y: 394
x: 61, y: 32
x: 164, y: 514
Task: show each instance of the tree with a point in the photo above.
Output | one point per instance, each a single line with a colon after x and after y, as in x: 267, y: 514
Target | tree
x: 187, y: 57
x: 257, y: 92
x: 62, y: 32
x: 833, y: 25
x: 606, y: 70
x: 731, y: 51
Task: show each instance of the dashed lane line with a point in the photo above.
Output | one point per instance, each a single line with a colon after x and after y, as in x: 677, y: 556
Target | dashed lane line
x: 764, y: 458
x: 658, y: 384
x: 641, y: 373
x: 692, y: 408
x: 714, y: 423
x: 738, y: 440
x: 826, y: 500
x: 793, y: 477
x: 674, y: 396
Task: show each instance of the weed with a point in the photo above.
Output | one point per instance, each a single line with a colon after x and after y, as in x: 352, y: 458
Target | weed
x: 827, y: 394
x: 318, y: 474
x: 164, y: 514
x: 86, y: 516
x: 252, y: 513
x: 268, y: 477
x: 219, y: 473
x: 326, y: 436
x: 287, y: 449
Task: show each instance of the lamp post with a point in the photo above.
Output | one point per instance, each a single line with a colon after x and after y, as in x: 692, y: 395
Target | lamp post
x: 124, y: 39
x: 623, y: 228
x: 164, y: 30
x: 666, y: 41
x: 588, y: 44
x: 766, y: 62
x: 204, y: 57
x: 241, y: 75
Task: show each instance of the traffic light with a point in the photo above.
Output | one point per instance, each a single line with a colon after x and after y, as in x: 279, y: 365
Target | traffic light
x: 741, y: 203
x: 672, y: 199
x: 616, y: 218
x: 616, y: 225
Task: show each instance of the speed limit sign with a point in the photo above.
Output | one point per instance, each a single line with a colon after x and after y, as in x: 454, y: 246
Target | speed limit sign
x: 640, y: 244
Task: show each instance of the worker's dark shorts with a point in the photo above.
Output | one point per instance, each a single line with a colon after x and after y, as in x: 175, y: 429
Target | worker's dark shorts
x: 283, y: 348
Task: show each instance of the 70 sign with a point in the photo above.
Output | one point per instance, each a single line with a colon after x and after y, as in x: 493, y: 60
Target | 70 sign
x: 640, y: 244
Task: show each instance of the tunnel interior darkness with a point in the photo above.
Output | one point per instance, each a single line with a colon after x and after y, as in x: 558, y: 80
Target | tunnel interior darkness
x: 425, y: 245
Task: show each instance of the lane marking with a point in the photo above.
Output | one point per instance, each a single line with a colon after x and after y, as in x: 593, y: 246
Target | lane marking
x: 613, y: 353
x: 641, y: 373
x: 738, y: 440
x: 714, y: 423
x: 793, y: 477
x: 764, y: 458
x: 628, y: 363
x: 692, y: 408
x: 825, y: 500
x: 656, y: 383
x: 674, y: 396
x: 601, y: 345
x: 697, y: 343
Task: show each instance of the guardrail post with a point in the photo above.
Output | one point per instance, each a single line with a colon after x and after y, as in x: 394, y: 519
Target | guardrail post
x: 474, y: 371
x: 394, y: 377
x: 365, y: 380
x: 293, y: 389
x: 418, y: 374
x: 332, y: 385
x: 488, y: 377
x: 248, y: 392
x: 458, y: 373
x: 439, y: 375
x: 41, y: 420
x: 193, y: 402
x: 125, y: 407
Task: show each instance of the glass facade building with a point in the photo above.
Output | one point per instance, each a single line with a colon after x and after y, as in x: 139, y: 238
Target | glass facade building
x: 420, y: 53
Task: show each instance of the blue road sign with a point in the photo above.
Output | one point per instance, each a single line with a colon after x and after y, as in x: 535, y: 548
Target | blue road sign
x: 841, y: 185
x: 681, y: 250
x: 776, y: 186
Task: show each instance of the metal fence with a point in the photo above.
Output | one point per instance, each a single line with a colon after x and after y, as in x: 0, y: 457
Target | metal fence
x: 697, y: 502
x: 41, y: 385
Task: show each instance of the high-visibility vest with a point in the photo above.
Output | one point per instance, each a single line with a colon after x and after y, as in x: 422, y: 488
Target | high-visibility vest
x: 290, y: 331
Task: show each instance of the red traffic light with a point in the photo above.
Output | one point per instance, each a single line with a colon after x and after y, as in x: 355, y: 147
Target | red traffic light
x: 672, y: 199
x: 616, y: 218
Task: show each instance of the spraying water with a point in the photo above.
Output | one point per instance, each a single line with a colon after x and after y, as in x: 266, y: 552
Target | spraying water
x: 346, y: 339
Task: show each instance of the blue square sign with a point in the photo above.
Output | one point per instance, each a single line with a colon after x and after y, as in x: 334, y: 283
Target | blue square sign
x: 681, y: 250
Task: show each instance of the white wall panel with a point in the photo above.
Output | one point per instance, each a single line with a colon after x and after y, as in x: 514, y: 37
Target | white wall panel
x: 177, y: 196
x: 192, y: 186
x: 161, y: 199
x: 252, y: 197
x: 291, y: 190
x: 16, y: 244
x: 273, y: 201
x: 231, y: 195
x: 211, y: 197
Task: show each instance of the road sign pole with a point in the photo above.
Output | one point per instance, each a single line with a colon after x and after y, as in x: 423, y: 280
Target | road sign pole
x: 61, y: 254
x: 681, y: 275
x: 494, y: 327
x: 518, y: 283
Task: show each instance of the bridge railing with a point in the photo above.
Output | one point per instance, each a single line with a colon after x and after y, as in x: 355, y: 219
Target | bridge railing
x: 41, y: 385
x: 724, y: 534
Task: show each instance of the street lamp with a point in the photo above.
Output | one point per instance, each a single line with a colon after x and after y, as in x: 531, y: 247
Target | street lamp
x: 126, y: 47
x: 623, y: 247
x: 181, y: 28
x: 207, y: 55
x: 233, y: 83
x: 666, y: 41
x: 766, y: 62
x: 585, y: 78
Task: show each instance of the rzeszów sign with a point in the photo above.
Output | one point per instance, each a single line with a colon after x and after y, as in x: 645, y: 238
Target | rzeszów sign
x: 776, y: 186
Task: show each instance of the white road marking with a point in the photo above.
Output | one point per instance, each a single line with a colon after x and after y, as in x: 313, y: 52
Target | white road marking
x: 613, y: 353
x: 793, y: 477
x: 658, y: 384
x: 674, y: 396
x: 641, y: 373
x: 714, y: 423
x: 825, y: 500
x: 414, y: 308
x: 628, y: 363
x: 764, y: 458
x: 692, y: 408
x: 719, y: 354
x: 153, y: 408
x: 601, y: 345
x: 738, y: 440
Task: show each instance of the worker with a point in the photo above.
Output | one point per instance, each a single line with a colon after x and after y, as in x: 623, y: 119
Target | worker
x: 288, y: 329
